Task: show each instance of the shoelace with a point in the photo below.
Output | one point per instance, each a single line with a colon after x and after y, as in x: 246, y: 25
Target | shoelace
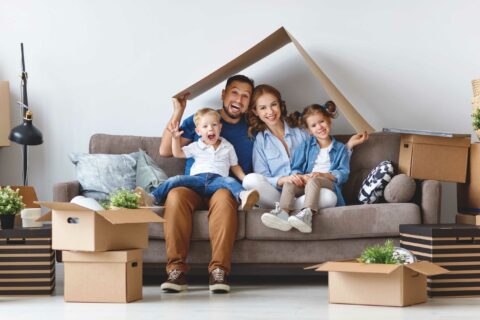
x: 174, y: 274
x: 277, y: 208
x: 218, y: 274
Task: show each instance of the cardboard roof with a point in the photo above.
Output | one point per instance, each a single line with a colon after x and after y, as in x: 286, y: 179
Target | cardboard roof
x: 423, y: 267
x: 119, y: 216
x: 267, y: 46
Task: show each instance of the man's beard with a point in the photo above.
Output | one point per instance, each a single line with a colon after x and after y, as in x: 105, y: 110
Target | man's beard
x: 233, y: 116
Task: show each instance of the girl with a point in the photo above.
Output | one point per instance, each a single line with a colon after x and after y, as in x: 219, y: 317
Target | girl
x: 320, y: 162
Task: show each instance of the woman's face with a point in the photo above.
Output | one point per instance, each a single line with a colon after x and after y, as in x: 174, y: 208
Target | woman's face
x: 268, y: 109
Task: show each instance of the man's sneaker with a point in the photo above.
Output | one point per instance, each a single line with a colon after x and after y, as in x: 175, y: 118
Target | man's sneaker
x: 146, y: 200
x: 176, y: 282
x: 302, y: 220
x: 248, y: 198
x: 218, y: 281
x: 276, y: 219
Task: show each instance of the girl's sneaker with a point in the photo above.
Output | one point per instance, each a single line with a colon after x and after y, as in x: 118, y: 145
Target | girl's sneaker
x: 276, y: 219
x: 302, y: 221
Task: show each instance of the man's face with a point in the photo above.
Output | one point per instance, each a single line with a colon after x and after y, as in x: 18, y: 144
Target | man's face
x: 236, y: 98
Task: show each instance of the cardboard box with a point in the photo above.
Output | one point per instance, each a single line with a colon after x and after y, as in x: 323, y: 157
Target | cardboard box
x: 80, y: 229
x: 114, y: 276
x: 468, y: 194
x: 435, y: 158
x: 262, y: 49
x: 451, y: 246
x: 462, y: 218
x: 352, y: 282
x: 4, y: 113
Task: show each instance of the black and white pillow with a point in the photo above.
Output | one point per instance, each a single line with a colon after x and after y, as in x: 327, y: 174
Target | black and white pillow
x: 376, y: 181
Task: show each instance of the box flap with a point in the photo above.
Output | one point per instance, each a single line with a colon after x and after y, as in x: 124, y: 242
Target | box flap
x: 46, y: 217
x: 5, y: 112
x: 457, y: 141
x: 357, y: 267
x: 107, y: 256
x: 426, y: 268
x: 62, y: 206
x: 270, y: 44
x: 123, y: 216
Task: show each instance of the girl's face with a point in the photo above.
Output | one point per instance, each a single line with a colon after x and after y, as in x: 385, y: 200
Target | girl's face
x: 319, y: 125
x: 268, y: 109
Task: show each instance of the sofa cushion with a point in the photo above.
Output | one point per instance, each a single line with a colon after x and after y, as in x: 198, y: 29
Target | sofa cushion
x: 357, y: 221
x: 400, y: 189
x: 149, y: 174
x: 200, y: 226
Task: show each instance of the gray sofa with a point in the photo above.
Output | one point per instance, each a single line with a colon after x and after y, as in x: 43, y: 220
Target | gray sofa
x: 338, y: 233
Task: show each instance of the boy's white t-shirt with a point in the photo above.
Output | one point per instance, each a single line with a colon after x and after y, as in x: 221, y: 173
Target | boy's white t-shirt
x: 323, y: 163
x: 209, y: 160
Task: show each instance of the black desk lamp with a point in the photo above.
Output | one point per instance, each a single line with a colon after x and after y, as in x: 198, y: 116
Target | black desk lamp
x: 25, y: 134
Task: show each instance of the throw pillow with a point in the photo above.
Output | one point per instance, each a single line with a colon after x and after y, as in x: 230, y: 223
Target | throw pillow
x: 101, y: 174
x: 376, y: 181
x: 149, y: 174
x: 400, y: 189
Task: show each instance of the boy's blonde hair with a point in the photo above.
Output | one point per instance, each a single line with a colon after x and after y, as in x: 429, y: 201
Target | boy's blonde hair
x: 202, y: 112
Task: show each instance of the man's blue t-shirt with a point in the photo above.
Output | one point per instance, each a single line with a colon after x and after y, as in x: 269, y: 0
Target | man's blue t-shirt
x: 236, y: 134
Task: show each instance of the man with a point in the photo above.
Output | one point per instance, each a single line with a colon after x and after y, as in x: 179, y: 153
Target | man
x: 182, y: 202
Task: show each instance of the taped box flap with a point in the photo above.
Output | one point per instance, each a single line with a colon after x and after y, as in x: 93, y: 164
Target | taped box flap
x: 107, y: 256
x: 357, y: 267
x: 426, y: 268
x: 64, y: 206
x: 457, y: 141
x: 124, y: 216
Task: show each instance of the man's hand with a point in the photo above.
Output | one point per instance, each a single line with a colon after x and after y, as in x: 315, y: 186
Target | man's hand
x: 357, y: 139
x: 174, y: 129
x: 179, y: 104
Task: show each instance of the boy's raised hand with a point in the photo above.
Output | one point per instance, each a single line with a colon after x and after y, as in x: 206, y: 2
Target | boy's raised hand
x: 174, y: 129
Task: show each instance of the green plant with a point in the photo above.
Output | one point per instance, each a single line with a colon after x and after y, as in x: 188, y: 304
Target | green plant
x: 381, y: 254
x: 476, y: 119
x: 10, y: 201
x: 125, y: 199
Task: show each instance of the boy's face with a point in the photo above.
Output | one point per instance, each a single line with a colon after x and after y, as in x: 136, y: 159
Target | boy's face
x: 236, y: 98
x: 319, y: 125
x: 209, y: 128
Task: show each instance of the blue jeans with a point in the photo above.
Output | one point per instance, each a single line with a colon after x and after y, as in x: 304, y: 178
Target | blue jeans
x: 205, y: 184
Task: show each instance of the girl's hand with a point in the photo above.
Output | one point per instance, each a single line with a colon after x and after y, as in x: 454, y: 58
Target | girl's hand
x: 357, y: 139
x: 174, y: 129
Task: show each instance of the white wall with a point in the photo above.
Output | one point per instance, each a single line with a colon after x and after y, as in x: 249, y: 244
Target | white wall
x: 112, y: 66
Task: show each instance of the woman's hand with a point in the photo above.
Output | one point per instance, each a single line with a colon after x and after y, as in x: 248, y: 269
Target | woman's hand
x: 326, y: 175
x: 296, y: 179
x: 357, y: 139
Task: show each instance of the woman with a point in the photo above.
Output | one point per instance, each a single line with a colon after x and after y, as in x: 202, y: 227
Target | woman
x: 277, y: 136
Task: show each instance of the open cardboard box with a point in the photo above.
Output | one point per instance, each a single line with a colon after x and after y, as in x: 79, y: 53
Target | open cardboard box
x: 468, y: 194
x: 5, y: 113
x: 267, y: 46
x: 353, y: 282
x: 435, y: 158
x: 113, y: 276
x: 80, y: 229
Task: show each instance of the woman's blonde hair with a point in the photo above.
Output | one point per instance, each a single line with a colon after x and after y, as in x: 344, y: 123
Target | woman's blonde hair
x: 255, y: 124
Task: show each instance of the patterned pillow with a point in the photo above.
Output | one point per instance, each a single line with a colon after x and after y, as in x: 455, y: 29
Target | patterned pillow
x: 376, y: 181
x: 101, y: 174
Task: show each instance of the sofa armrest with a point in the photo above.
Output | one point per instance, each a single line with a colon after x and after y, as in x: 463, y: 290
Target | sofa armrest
x: 431, y: 199
x: 66, y: 191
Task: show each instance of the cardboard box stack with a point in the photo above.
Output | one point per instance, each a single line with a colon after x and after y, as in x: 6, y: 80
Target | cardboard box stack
x: 453, y: 247
x: 103, y: 250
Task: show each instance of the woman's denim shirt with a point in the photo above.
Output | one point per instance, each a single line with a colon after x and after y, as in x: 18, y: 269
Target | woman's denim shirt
x: 305, y: 155
x: 270, y: 158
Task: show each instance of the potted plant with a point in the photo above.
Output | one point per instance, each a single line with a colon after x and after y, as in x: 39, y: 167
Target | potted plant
x: 10, y: 204
x: 386, y: 254
x: 124, y: 199
x: 476, y: 121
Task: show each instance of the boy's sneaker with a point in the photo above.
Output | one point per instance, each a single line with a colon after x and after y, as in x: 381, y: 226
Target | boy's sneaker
x: 302, y: 220
x: 176, y: 282
x: 217, y: 282
x: 248, y: 198
x: 276, y: 219
x: 146, y: 200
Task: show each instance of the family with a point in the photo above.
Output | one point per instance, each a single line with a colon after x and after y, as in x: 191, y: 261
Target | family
x: 288, y: 162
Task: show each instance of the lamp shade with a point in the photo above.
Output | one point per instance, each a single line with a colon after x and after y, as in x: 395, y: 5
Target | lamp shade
x: 26, y: 133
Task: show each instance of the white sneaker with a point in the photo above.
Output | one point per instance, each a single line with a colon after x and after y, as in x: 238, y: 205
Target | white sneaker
x: 302, y: 221
x: 276, y: 219
x: 248, y: 199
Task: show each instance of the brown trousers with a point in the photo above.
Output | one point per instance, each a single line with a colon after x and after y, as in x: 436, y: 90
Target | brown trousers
x: 311, y: 191
x: 181, y: 203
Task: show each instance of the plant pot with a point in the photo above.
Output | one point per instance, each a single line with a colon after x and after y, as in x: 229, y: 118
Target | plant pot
x: 7, y: 221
